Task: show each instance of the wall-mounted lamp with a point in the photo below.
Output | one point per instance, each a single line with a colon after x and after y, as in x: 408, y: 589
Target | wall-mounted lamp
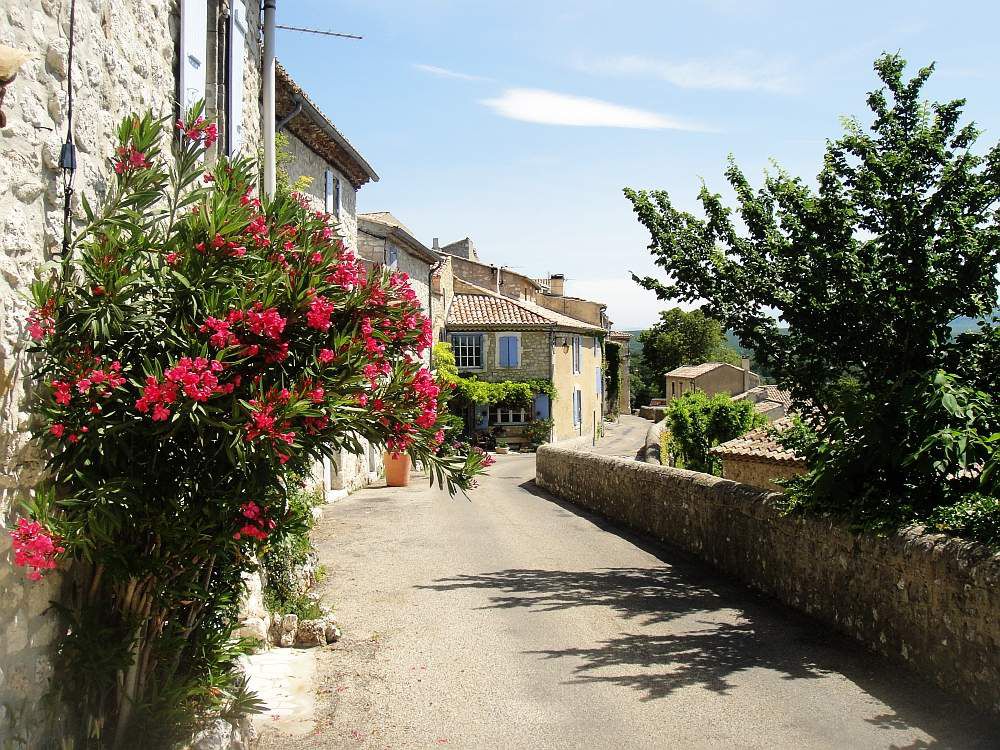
x: 11, y: 60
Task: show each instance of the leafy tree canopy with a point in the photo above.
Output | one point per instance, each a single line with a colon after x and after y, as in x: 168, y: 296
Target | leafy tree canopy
x: 898, y: 237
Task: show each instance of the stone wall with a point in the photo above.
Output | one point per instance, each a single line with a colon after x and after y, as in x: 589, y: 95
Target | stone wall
x: 125, y: 59
x: 574, y: 307
x: 758, y: 473
x: 925, y: 599
x: 307, y: 163
x: 535, y: 360
x: 511, y: 284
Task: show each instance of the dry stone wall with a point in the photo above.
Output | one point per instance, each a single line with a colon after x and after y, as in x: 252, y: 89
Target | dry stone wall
x: 927, y: 599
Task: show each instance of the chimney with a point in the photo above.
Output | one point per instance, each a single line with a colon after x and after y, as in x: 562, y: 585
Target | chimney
x: 437, y: 245
x: 746, y: 373
x: 557, y: 284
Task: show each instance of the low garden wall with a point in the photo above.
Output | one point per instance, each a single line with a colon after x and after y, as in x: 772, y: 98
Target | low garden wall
x: 930, y: 600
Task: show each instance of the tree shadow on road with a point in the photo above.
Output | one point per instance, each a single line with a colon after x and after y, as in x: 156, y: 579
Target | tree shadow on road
x: 693, y: 627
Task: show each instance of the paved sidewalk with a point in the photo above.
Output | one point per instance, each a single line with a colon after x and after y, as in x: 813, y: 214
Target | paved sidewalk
x: 513, y: 620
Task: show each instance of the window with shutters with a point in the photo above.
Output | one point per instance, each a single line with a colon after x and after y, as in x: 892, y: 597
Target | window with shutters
x: 577, y: 406
x: 235, y: 67
x: 194, y: 52
x: 391, y: 254
x: 508, y: 350
x: 468, y: 350
x: 599, y: 380
x: 576, y: 355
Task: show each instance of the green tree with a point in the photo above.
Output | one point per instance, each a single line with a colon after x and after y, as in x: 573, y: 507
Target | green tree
x: 697, y: 423
x: 679, y: 338
x: 866, y: 269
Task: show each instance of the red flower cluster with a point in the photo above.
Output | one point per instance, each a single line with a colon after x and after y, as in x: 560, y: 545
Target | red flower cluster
x: 427, y: 391
x: 264, y: 423
x: 318, y: 316
x: 34, y: 547
x: 93, y: 382
x: 196, y: 378
x: 128, y: 159
x: 42, y: 321
x: 255, y: 525
x: 225, y: 247
x: 349, y: 273
x: 200, y: 130
x: 266, y: 323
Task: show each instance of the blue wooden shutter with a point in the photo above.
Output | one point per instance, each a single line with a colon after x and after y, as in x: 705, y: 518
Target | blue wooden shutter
x: 234, y: 92
x: 599, y: 380
x: 514, y: 355
x: 328, y: 192
x: 541, y: 406
x: 504, y: 351
x: 194, y: 52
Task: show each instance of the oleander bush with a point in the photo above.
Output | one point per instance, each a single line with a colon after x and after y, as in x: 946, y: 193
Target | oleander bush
x: 199, y: 344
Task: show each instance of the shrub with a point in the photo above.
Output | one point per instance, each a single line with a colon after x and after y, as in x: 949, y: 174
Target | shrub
x: 196, y: 345
x: 697, y: 423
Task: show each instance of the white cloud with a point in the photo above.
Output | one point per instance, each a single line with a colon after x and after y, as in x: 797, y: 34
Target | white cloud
x: 434, y: 70
x: 745, y: 73
x: 552, y: 108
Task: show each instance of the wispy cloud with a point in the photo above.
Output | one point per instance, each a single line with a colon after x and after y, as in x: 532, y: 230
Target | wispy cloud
x: 745, y: 73
x: 434, y: 70
x: 553, y: 108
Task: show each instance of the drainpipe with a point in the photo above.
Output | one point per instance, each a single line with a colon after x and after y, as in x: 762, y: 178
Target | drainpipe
x: 267, y: 86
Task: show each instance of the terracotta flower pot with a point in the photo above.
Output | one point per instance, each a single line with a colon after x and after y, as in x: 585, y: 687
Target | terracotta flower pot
x: 397, y: 469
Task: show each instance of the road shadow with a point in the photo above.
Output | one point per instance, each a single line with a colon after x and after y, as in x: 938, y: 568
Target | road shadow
x: 690, y: 626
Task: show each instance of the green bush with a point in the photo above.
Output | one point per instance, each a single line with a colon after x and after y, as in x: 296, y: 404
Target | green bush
x: 697, y: 423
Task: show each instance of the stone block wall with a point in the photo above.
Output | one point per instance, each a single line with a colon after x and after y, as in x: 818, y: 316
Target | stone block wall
x: 761, y: 473
x: 307, y: 163
x: 929, y: 600
x: 125, y: 60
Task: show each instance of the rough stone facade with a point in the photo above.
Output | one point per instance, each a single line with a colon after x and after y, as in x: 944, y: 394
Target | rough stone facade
x: 724, y: 378
x: 509, y: 284
x: 926, y: 599
x: 575, y: 307
x: 125, y: 59
x: 535, y: 357
x: 305, y: 162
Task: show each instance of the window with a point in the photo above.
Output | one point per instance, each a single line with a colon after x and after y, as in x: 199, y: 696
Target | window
x: 599, y: 380
x: 331, y: 194
x: 597, y: 347
x: 576, y: 355
x: 508, y: 351
x: 194, y: 52
x: 509, y: 415
x: 235, y: 51
x: 391, y: 254
x: 673, y: 387
x: 468, y: 350
x: 577, y: 407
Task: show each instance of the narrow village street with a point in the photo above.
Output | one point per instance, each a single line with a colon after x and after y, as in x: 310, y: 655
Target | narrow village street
x: 512, y: 620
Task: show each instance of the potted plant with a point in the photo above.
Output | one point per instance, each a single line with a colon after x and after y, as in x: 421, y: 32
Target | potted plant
x: 502, y: 447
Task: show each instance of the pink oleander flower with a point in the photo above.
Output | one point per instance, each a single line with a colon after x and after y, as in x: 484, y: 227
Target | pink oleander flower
x: 35, y: 547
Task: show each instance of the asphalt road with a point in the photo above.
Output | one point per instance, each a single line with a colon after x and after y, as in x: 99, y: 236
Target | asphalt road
x: 512, y: 620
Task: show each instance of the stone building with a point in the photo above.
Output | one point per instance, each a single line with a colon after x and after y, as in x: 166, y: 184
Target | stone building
x: 711, y: 378
x: 497, y: 338
x: 758, y: 459
x: 770, y: 400
x: 319, y: 152
x: 624, y: 372
x: 128, y: 57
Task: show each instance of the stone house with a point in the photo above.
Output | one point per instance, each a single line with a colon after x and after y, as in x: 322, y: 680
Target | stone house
x: 334, y: 169
x: 770, y: 400
x: 710, y: 378
x: 497, y: 338
x: 625, y: 370
x: 385, y: 240
x: 127, y: 57
x: 758, y: 459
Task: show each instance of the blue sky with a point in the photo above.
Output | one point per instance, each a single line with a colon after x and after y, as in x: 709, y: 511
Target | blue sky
x: 519, y: 123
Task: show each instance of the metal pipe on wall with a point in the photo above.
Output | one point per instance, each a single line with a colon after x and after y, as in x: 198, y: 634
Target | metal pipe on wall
x: 267, y: 86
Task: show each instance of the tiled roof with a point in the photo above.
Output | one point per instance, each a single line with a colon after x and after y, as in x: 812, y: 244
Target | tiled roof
x: 693, y: 371
x: 620, y: 335
x: 763, y: 393
x: 488, y: 310
x: 760, y: 445
x: 385, y: 218
x: 477, y: 307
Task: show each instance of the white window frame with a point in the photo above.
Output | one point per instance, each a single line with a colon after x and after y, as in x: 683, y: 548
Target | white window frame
x: 510, y: 416
x: 460, y: 350
x: 520, y: 350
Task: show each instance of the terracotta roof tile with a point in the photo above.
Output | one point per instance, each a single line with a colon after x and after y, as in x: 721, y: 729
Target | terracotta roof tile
x: 487, y: 310
x: 693, y: 371
x: 760, y: 445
